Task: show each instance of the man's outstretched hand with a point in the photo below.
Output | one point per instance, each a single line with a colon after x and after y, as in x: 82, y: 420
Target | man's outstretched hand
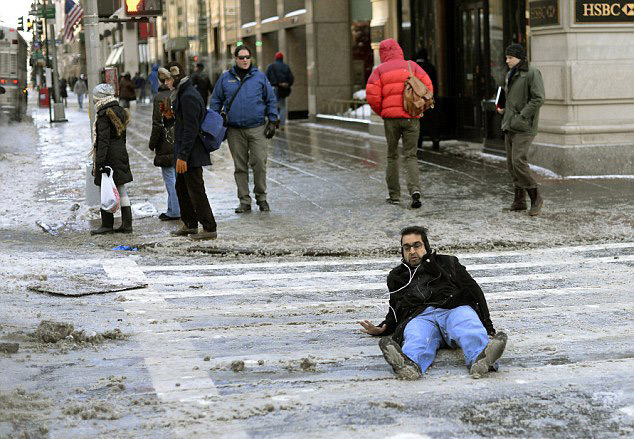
x: 369, y: 328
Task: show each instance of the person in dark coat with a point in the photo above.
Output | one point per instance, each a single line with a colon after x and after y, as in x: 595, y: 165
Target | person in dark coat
x: 63, y: 92
x: 434, y: 302
x: 110, y: 150
x: 189, y: 111
x: 430, y: 122
x: 281, y: 78
x: 127, y: 92
x: 201, y: 81
x: 162, y: 143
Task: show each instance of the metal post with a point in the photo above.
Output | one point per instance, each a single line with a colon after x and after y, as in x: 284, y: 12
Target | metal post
x: 93, y: 60
x: 58, y: 108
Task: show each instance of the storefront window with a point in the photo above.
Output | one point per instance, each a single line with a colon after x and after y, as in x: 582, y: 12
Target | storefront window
x: 362, y: 55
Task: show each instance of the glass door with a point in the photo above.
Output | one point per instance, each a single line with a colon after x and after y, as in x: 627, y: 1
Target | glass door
x: 472, y: 67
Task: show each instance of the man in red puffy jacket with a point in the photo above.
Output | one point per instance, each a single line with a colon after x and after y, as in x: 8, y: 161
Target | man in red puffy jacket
x: 384, y: 92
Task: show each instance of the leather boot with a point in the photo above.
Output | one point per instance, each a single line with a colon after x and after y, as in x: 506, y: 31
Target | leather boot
x: 536, y: 201
x: 519, y: 203
x: 126, y: 220
x: 107, y: 221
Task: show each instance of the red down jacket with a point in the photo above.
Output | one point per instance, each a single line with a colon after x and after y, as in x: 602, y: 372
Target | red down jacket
x: 384, y: 90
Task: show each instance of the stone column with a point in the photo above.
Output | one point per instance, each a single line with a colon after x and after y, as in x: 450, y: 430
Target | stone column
x: 130, y: 48
x: 587, y: 120
x: 328, y: 53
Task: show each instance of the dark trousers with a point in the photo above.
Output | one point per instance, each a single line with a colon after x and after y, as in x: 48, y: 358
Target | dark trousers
x: 430, y: 125
x: 192, y: 199
x: 517, y: 146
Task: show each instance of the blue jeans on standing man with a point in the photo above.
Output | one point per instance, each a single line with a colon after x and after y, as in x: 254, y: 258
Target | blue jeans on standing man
x: 436, y: 327
x: 281, y: 109
x: 169, y: 177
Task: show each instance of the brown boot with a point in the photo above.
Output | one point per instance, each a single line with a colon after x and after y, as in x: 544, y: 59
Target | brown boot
x: 519, y: 203
x: 536, y: 201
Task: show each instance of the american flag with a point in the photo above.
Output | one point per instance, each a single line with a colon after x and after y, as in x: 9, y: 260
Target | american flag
x: 74, y: 12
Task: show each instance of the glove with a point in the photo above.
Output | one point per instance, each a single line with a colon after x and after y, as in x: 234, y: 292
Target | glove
x: 269, y: 130
x: 224, y: 118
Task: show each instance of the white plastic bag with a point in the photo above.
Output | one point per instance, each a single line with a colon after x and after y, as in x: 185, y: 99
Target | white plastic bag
x: 109, y: 192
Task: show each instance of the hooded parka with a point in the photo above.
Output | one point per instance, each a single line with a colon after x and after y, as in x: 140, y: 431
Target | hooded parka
x: 384, y: 90
x: 162, y: 137
x: 111, y: 124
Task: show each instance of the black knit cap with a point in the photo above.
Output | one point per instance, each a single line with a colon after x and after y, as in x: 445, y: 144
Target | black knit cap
x: 516, y: 50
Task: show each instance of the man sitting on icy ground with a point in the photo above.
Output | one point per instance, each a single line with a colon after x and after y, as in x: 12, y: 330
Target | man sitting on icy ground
x: 434, y: 302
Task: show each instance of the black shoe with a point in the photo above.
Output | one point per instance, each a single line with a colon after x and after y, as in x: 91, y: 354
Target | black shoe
x: 184, y: 231
x: 165, y: 217
x: 519, y: 202
x: 404, y: 368
x: 487, y: 358
x: 436, y: 145
x: 536, y: 201
x: 126, y: 220
x: 107, y: 222
x: 416, y: 204
x: 264, y: 206
x: 391, y: 200
x: 243, y: 208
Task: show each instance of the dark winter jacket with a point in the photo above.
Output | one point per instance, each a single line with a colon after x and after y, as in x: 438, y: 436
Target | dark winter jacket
x: 126, y: 90
x: 524, y: 96
x: 439, y: 281
x: 202, y: 84
x: 189, y: 112
x: 255, y: 100
x: 112, y: 121
x: 162, y: 137
x: 278, y: 72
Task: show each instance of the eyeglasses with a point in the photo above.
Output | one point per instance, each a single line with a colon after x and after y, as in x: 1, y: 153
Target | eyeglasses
x: 244, y: 57
x: 408, y: 247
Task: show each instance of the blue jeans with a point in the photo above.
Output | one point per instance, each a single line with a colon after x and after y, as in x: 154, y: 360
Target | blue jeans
x: 437, y: 327
x: 281, y: 109
x: 169, y: 177
x: 80, y: 100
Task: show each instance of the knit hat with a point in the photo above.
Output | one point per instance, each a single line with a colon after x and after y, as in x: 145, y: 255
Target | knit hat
x: 102, y: 91
x: 279, y: 55
x: 516, y: 50
x: 163, y: 74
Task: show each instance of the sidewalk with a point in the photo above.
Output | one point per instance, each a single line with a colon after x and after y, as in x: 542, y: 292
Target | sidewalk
x: 326, y: 190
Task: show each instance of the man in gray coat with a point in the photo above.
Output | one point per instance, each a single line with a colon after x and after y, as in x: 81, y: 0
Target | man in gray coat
x: 524, y: 90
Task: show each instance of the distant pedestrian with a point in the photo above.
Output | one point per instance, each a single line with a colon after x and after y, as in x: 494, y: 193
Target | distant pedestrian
x: 126, y: 91
x: 191, y: 156
x: 251, y: 101
x: 524, y: 90
x: 201, y: 82
x: 430, y: 122
x: 384, y: 93
x: 63, y: 92
x: 434, y: 302
x: 80, y: 89
x: 139, y: 87
x: 110, y: 150
x: 162, y: 143
x: 153, y: 80
x: 281, y: 78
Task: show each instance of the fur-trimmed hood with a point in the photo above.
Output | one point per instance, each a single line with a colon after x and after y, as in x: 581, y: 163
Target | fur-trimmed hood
x: 120, y: 117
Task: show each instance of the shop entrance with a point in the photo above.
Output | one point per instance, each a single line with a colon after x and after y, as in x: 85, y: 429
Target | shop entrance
x: 471, y: 67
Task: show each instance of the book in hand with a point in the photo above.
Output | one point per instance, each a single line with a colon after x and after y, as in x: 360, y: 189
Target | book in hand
x: 500, y: 98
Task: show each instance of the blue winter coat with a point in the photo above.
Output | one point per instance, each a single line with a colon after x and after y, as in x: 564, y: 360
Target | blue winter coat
x: 254, y: 102
x: 153, y: 79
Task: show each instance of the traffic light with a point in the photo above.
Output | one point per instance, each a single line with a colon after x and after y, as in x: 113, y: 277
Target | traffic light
x: 38, y: 27
x: 20, y: 23
x: 143, y: 8
x: 29, y: 25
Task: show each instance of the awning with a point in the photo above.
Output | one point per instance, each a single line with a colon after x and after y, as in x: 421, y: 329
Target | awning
x: 115, y: 55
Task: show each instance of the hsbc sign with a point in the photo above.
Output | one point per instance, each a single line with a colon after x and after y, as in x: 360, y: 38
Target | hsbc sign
x: 588, y: 11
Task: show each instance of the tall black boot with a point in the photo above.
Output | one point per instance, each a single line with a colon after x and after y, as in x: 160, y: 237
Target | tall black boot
x: 126, y: 220
x: 519, y: 203
x: 536, y: 201
x: 107, y: 222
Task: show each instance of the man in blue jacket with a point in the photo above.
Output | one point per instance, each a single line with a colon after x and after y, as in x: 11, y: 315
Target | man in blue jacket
x: 251, y: 100
x: 188, y: 113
